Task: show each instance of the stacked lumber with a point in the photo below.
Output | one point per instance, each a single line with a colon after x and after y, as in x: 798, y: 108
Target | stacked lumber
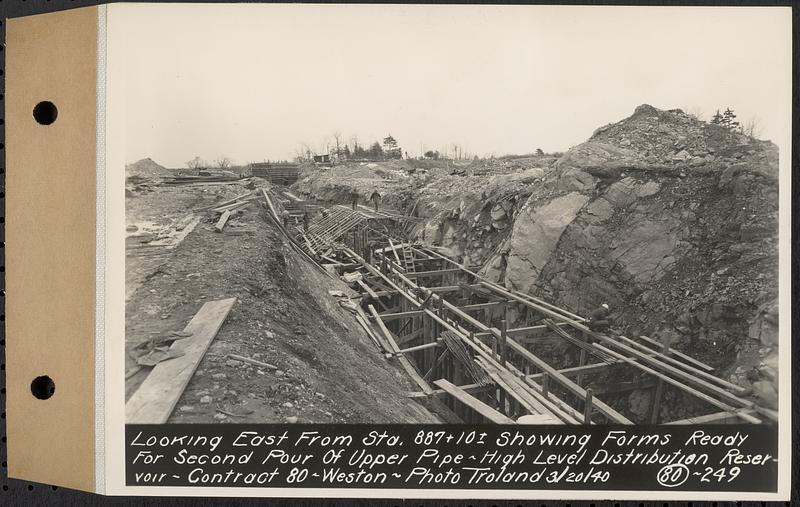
x: 183, y: 180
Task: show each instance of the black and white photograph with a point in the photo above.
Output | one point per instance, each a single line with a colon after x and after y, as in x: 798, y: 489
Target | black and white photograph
x: 400, y: 251
x: 366, y: 215
x: 413, y: 214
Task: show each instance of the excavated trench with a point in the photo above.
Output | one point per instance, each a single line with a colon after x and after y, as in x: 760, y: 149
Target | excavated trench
x: 625, y: 389
x: 676, y: 231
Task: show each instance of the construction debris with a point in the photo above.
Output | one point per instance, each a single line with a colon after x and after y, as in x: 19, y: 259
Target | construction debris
x: 252, y: 361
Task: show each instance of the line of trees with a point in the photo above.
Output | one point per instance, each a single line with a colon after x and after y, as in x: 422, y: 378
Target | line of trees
x: 341, y: 148
x: 728, y: 120
x: 198, y: 163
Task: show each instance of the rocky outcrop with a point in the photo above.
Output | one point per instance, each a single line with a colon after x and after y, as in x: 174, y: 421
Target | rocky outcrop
x: 535, y: 236
x: 671, y: 221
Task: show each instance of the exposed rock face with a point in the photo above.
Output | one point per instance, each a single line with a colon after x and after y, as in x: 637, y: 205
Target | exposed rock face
x: 535, y: 236
x: 665, y: 218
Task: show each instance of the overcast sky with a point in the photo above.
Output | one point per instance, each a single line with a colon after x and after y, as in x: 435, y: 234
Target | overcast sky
x: 253, y: 82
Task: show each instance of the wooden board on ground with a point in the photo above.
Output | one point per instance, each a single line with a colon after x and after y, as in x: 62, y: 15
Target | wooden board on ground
x: 474, y: 403
x: 222, y: 221
x: 156, y: 398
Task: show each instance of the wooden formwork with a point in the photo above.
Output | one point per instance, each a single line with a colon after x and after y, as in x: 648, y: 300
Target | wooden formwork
x: 440, y: 296
x: 423, y: 303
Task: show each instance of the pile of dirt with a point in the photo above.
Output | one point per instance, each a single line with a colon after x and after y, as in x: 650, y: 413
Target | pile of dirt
x: 324, y: 369
x: 146, y: 168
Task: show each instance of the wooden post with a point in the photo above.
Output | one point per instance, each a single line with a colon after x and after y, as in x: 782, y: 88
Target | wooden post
x: 545, y: 384
x: 503, y: 330
x: 655, y: 405
x: 582, y: 360
x: 587, y: 407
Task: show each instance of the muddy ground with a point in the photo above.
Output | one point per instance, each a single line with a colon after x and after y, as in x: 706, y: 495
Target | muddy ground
x: 327, y: 368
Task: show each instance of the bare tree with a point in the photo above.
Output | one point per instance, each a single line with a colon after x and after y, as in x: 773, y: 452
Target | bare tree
x: 695, y: 111
x: 309, y: 153
x: 337, y: 137
x: 223, y: 162
x: 196, y: 163
x: 752, y: 127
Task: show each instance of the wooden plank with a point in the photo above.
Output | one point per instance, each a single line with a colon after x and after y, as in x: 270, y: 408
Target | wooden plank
x: 252, y: 361
x: 690, y: 390
x: 663, y: 356
x: 436, y: 272
x: 156, y: 398
x: 377, y: 336
x: 587, y: 407
x: 567, y: 372
x: 394, y: 251
x: 271, y: 207
x: 531, y: 405
x: 479, y: 306
x: 437, y: 290
x: 386, y: 334
x: 390, y: 248
x: 420, y: 347
x: 474, y: 403
x: 561, y: 413
x: 386, y: 317
x: 222, y: 221
x: 414, y: 374
x: 233, y: 206
x: 369, y: 332
x: 687, y: 377
x: 367, y: 289
x: 678, y: 353
x: 715, y: 418
x: 525, y: 334
x: 224, y: 203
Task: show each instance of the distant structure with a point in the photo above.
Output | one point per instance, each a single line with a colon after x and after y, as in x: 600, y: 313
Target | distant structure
x: 322, y: 159
x: 279, y: 173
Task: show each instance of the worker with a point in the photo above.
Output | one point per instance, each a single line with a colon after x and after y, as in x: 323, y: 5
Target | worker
x: 286, y: 216
x: 375, y: 198
x: 306, y: 220
x: 599, y: 319
x: 354, y: 198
